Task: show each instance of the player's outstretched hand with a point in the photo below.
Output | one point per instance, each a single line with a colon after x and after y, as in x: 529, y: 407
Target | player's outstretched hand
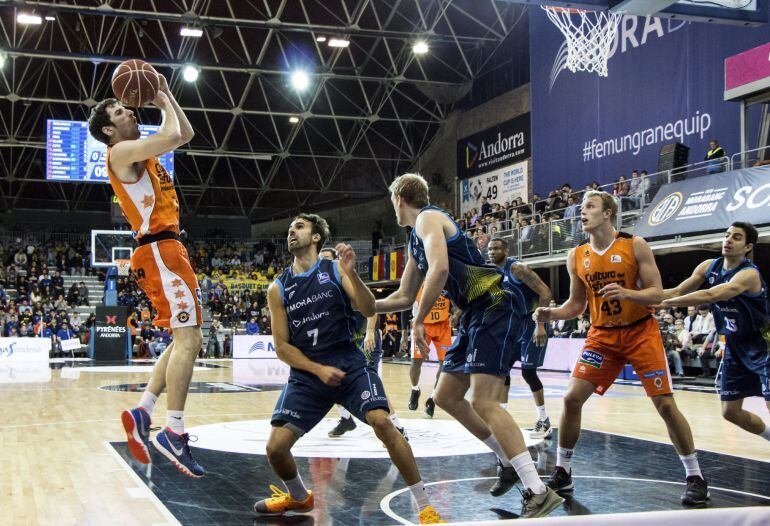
x: 161, y: 100
x: 347, y: 258
x: 542, y: 315
x: 331, y: 376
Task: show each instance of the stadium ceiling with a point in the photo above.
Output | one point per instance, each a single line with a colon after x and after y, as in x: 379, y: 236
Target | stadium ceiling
x: 369, y: 112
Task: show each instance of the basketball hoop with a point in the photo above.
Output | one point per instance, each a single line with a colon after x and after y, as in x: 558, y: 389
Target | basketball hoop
x: 124, y: 267
x: 589, y: 36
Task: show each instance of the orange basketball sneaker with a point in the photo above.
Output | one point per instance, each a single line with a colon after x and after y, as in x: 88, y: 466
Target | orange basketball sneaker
x: 428, y: 515
x: 281, y: 502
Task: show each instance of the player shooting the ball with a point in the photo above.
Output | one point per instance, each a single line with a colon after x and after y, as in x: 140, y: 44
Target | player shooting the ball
x: 160, y: 264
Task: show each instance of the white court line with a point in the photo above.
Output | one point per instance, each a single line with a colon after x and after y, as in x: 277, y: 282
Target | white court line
x: 387, y: 510
x: 670, y: 444
x: 141, y: 486
x: 78, y: 422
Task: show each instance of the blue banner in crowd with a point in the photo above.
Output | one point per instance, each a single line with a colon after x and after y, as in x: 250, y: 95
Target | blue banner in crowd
x: 708, y: 203
x: 665, y: 84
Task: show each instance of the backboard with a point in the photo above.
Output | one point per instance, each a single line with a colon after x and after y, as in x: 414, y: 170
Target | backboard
x: 110, y: 246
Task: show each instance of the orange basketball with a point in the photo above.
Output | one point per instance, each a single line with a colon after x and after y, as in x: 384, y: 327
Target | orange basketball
x: 135, y: 82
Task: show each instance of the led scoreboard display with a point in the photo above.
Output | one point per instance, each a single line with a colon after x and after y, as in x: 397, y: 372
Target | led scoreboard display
x: 73, y: 155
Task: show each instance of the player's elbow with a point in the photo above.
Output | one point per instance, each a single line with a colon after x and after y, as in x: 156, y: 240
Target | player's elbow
x: 366, y: 307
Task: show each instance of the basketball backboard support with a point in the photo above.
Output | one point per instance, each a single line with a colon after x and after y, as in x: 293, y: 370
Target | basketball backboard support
x: 110, y: 246
x: 738, y: 12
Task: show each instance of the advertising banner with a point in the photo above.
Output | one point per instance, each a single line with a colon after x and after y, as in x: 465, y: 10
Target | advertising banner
x: 24, y: 349
x: 249, y: 346
x: 708, y: 203
x: 241, y: 285
x: 110, y: 334
x: 498, y: 186
x: 664, y: 84
x: 494, y: 148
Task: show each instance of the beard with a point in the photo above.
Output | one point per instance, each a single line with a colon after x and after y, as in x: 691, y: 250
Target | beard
x: 299, y: 247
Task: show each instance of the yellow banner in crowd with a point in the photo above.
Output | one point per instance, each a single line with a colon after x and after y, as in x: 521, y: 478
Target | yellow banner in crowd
x: 241, y: 285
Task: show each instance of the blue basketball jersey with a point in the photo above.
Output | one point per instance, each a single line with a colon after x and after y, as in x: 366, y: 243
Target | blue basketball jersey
x: 745, y: 316
x: 525, y: 299
x: 471, y: 280
x: 321, y: 318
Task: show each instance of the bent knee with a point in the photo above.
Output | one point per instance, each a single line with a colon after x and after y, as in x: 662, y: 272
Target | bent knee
x: 731, y: 414
x: 667, y: 408
x: 380, y: 423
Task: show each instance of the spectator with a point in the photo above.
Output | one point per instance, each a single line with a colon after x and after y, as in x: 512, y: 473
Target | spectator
x: 486, y: 207
x: 160, y: 343
x: 714, y: 156
x: 703, y: 324
x: 64, y: 333
x: 83, y: 293
x: 689, y: 319
x: 252, y: 327
x: 707, y: 352
x: 680, y: 345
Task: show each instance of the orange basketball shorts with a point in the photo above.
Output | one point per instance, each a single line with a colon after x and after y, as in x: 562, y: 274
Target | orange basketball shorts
x: 606, y: 351
x: 163, y: 271
x: 440, y: 334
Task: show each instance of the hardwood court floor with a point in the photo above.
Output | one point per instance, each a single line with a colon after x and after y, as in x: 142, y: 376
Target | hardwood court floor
x: 59, y: 469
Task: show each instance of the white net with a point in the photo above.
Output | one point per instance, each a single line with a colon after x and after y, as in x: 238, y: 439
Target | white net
x: 124, y: 267
x: 589, y: 36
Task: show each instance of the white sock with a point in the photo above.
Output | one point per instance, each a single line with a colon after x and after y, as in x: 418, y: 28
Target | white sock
x: 344, y: 413
x: 420, y: 495
x: 415, y: 388
x: 527, y: 472
x: 175, y: 421
x: 564, y: 458
x: 504, y: 405
x: 394, y: 419
x: 147, y: 402
x: 690, y: 463
x: 296, y: 488
x: 495, y: 446
x: 541, y: 414
x: 766, y: 433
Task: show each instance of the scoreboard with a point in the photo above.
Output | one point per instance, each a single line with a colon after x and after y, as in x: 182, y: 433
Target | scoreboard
x: 73, y: 155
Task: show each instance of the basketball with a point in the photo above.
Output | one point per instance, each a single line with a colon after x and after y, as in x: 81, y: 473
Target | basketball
x: 135, y: 82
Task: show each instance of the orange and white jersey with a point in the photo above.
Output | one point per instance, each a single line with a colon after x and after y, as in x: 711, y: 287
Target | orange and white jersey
x: 438, y: 313
x: 150, y: 204
x: 616, y: 264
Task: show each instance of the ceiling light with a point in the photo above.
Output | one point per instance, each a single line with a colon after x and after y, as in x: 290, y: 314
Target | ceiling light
x: 190, y: 73
x: 2, y: 60
x: 420, y: 48
x: 294, y: 120
x: 338, y: 42
x: 27, y: 19
x: 320, y: 39
x: 300, y: 80
x: 191, y: 32
x: 50, y: 18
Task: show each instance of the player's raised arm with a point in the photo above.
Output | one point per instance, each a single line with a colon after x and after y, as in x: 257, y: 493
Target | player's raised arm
x: 430, y: 229
x: 575, y: 304
x: 404, y: 297
x: 360, y: 296
x: 691, y: 284
x: 288, y: 353
x: 165, y: 140
x: 746, y: 280
x: 185, y: 128
x: 544, y: 296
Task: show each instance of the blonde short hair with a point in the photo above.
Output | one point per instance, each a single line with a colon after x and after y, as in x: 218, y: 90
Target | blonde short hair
x: 608, y: 202
x: 412, y: 188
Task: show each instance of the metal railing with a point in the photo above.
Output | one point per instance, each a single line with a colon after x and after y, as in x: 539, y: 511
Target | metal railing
x: 750, y: 158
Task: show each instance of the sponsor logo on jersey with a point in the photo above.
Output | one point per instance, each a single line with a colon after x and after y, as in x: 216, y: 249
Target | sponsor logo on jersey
x: 658, y: 382
x: 586, y: 263
x: 323, y: 278
x: 365, y: 395
x: 653, y: 374
x: 309, y: 300
x: 615, y: 259
x: 183, y: 317
x: 591, y: 358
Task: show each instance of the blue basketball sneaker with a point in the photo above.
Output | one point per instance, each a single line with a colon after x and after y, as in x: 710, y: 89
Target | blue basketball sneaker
x: 174, y: 447
x: 136, y: 422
